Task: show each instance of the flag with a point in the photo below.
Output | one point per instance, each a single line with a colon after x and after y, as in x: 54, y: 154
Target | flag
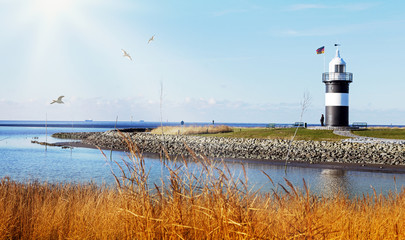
x: 320, y: 50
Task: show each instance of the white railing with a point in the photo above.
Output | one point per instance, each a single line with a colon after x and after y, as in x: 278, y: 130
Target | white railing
x: 332, y: 76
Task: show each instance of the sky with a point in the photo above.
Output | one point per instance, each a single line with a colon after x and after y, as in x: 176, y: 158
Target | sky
x: 229, y: 61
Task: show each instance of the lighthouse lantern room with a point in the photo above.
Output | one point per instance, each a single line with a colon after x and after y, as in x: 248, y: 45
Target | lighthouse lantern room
x: 337, y: 82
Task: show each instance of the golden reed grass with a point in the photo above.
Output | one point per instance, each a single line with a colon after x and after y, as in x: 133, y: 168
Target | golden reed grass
x: 208, y: 203
x: 188, y: 130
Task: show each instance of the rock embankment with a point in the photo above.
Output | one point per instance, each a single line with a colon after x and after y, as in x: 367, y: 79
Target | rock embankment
x: 74, y: 135
x: 302, y: 151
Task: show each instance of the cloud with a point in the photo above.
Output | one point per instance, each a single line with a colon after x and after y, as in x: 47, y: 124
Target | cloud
x: 228, y: 11
x: 211, y: 101
x: 189, y: 109
x: 80, y: 109
x: 316, y: 32
x: 347, y: 7
x: 377, y: 116
x: 299, y: 7
x: 231, y: 11
x: 337, y: 30
x: 359, y: 6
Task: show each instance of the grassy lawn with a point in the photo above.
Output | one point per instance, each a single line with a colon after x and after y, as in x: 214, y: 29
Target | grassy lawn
x: 389, y: 133
x: 280, y: 133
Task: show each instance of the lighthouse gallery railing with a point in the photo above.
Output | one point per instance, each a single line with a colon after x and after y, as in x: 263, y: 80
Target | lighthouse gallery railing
x: 333, y: 76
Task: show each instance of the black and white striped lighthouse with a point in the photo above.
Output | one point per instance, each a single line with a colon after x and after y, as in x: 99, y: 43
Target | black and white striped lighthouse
x: 337, y: 82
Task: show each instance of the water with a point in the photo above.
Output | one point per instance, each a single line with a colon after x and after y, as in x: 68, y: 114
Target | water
x: 22, y: 160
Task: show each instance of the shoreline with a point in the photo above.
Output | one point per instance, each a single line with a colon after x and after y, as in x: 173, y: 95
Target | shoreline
x: 108, y: 139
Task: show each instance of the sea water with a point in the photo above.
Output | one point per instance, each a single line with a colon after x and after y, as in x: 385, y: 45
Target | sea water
x: 22, y: 160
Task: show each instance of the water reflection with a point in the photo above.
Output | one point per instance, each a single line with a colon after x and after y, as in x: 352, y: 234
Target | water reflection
x: 332, y: 181
x: 20, y: 159
x: 322, y: 181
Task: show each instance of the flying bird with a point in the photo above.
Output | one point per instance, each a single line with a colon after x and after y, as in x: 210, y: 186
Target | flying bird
x: 58, y: 101
x: 151, y: 39
x: 125, y: 54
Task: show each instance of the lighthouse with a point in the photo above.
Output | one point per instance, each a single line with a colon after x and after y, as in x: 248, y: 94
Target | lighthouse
x: 337, y: 82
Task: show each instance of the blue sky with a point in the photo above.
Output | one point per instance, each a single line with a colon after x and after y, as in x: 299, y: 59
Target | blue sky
x: 228, y: 61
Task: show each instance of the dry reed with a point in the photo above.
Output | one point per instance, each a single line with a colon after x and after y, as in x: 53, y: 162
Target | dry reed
x: 209, y: 203
x: 189, y: 130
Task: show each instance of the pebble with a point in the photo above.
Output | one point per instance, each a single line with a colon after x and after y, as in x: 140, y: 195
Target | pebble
x: 365, y: 151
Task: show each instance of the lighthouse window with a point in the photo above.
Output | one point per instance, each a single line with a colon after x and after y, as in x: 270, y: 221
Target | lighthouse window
x: 340, y: 68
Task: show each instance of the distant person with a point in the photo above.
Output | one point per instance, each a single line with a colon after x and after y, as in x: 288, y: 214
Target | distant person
x: 322, y: 120
x: 213, y: 122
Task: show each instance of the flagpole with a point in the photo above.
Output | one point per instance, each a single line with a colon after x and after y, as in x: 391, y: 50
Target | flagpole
x: 324, y: 63
x: 321, y: 50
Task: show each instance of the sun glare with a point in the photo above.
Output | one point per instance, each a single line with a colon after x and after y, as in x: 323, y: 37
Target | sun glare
x: 52, y: 8
x: 52, y: 29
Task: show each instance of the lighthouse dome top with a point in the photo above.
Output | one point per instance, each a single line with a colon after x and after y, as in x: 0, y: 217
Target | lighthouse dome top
x: 337, y: 60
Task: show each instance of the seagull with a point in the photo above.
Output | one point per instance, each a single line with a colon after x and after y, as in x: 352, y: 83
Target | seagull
x: 151, y: 39
x: 58, y: 101
x: 125, y: 54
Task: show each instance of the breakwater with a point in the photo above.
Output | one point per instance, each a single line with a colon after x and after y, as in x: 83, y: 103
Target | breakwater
x: 265, y: 149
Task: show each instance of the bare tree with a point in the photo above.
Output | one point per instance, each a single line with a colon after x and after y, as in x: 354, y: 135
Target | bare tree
x: 161, y: 121
x: 162, y: 153
x: 161, y: 106
x: 305, y: 103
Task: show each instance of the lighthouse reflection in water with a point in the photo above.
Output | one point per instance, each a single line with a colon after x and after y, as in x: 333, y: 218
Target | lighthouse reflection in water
x: 334, y: 181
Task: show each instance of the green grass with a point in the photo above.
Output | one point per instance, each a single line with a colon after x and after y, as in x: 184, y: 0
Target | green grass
x: 389, y: 133
x: 280, y: 133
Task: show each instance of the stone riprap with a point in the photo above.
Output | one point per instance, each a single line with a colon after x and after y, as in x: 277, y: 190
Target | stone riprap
x: 263, y: 149
x: 75, y: 135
